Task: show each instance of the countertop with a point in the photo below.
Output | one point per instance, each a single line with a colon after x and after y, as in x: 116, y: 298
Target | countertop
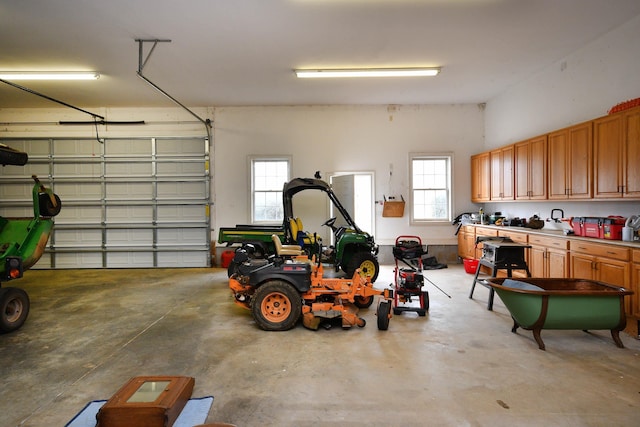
x: 559, y: 233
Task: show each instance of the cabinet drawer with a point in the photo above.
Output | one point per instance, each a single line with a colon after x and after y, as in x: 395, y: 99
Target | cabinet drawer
x: 486, y: 232
x: 552, y: 242
x: 636, y: 255
x: 514, y: 235
x: 468, y: 229
x: 607, y: 251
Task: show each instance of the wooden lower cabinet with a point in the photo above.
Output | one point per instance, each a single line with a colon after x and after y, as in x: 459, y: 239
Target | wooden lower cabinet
x: 467, y: 242
x: 606, y: 263
x: 548, y: 256
x: 634, y: 301
x: 609, y: 264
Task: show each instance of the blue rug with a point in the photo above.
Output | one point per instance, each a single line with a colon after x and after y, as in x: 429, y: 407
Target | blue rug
x: 194, y: 412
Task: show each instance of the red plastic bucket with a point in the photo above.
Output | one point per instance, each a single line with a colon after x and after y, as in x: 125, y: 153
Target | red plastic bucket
x: 226, y: 258
x: 470, y: 265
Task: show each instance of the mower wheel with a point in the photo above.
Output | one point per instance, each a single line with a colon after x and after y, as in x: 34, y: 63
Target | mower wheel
x: 363, y: 302
x: 276, y: 306
x: 366, y: 262
x: 47, y: 207
x: 14, y: 308
x: 384, y: 310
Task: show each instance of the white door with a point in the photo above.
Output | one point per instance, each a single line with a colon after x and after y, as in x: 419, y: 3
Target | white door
x: 355, y: 192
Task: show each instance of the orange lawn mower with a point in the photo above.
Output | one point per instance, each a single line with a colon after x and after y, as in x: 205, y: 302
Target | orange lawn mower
x: 289, y: 285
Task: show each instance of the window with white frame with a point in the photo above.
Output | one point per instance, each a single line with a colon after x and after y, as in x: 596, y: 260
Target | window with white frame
x: 268, y: 176
x: 430, y: 187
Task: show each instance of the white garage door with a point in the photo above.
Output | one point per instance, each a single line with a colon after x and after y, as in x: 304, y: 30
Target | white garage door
x: 126, y: 202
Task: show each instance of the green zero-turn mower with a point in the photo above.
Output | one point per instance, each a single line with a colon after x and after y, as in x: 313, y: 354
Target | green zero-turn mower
x: 22, y: 243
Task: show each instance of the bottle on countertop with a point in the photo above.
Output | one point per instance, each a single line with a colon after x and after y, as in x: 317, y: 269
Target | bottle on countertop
x: 481, y: 216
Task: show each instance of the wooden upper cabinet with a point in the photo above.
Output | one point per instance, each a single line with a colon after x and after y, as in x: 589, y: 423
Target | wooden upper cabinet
x: 502, y: 173
x: 480, y: 178
x: 530, y: 160
x: 616, y: 155
x: 598, y: 159
x: 631, y: 176
x: 570, y: 162
x: 607, y: 156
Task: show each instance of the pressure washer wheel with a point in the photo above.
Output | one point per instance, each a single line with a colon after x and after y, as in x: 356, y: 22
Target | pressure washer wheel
x: 383, y: 313
x: 276, y: 306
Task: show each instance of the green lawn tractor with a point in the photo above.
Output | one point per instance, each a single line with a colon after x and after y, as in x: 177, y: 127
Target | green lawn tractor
x: 22, y: 243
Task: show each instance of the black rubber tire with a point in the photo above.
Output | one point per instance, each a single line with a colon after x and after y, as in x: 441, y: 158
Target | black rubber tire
x: 361, y: 260
x: 14, y: 309
x: 46, y: 206
x: 384, y: 309
x: 425, y: 300
x: 276, y: 306
x: 363, y: 302
x: 11, y: 156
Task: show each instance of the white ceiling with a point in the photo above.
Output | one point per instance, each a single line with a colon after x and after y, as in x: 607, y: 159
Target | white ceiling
x: 242, y: 52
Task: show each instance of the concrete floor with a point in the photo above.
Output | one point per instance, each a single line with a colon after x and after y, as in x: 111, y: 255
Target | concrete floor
x: 89, y: 331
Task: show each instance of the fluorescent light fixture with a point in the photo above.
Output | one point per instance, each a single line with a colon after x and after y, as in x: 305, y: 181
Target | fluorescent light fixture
x: 48, y: 75
x: 367, y: 72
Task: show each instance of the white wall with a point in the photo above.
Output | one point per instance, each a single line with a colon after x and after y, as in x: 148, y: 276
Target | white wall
x: 580, y: 87
x: 346, y: 138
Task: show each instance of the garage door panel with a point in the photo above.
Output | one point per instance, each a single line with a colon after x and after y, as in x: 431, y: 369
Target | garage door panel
x: 129, y: 191
x: 182, y: 259
x: 181, y: 146
x: 71, y: 148
x: 128, y: 169
x: 75, y: 260
x: 190, y: 190
x: 129, y: 214
x: 15, y: 192
x: 184, y: 169
x: 79, y: 191
x: 133, y: 146
x: 130, y: 259
x: 185, y: 237
x: 128, y: 238
x: 26, y: 171
x: 77, y: 172
x: 17, y: 212
x: 79, y: 215
x: 69, y: 239
x: 181, y: 213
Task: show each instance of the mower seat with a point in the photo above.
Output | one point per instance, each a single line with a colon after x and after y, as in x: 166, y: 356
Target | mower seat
x: 285, y: 250
x: 299, y: 235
